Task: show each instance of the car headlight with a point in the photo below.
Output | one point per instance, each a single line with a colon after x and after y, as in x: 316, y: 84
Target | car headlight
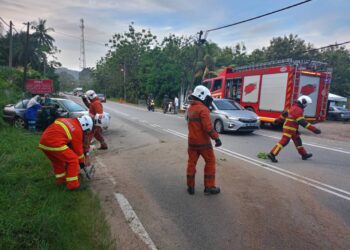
x: 341, y: 115
x: 231, y: 118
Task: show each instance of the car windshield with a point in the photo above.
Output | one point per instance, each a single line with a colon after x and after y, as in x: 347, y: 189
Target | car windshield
x: 72, y: 106
x: 21, y: 104
x: 226, y: 105
x: 101, y: 95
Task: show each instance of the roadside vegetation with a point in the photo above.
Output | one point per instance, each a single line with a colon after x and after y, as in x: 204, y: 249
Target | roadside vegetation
x: 37, y: 214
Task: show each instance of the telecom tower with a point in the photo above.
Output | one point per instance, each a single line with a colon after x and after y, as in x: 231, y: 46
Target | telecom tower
x: 82, y: 61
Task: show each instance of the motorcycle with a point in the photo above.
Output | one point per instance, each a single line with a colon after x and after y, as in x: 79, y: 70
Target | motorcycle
x: 151, y: 106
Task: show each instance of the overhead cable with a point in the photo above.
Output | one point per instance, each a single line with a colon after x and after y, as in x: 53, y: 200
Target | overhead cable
x: 257, y: 17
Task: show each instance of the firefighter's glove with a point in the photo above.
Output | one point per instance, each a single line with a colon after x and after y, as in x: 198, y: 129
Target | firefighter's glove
x: 317, y: 131
x: 218, y: 143
x: 82, y: 165
x: 278, y: 121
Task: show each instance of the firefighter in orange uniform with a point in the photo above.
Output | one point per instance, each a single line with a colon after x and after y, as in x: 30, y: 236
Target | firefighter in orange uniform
x: 92, y: 101
x: 292, y: 119
x: 62, y: 143
x: 200, y: 130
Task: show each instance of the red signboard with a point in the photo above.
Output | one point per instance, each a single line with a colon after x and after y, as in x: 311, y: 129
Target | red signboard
x: 35, y: 86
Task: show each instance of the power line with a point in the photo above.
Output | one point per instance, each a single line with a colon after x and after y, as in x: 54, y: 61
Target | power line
x: 257, y: 17
x: 328, y: 46
x: 76, y: 37
x: 4, y: 22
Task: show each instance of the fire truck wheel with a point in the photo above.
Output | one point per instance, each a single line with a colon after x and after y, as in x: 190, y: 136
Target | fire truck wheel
x: 219, y: 127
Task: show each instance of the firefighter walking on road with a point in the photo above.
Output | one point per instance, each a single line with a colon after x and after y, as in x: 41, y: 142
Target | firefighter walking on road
x: 200, y: 130
x: 92, y: 101
x: 62, y: 143
x: 292, y: 119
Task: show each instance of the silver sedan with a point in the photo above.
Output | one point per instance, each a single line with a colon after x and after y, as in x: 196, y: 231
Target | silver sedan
x: 228, y: 115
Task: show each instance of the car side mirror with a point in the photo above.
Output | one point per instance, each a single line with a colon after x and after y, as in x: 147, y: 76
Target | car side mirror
x: 211, y: 108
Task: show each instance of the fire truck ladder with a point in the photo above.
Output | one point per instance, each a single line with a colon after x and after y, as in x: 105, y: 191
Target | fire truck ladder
x: 301, y: 64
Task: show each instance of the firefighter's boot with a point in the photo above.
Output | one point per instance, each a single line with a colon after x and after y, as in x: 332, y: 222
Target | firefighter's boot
x: 306, y: 156
x: 190, y: 190
x: 211, y: 190
x: 103, y: 146
x: 272, y: 157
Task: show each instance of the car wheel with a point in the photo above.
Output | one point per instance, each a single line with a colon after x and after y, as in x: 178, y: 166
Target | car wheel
x: 19, y: 123
x: 219, y: 127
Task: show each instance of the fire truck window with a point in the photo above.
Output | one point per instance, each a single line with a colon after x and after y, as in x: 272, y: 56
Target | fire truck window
x: 217, y: 84
x: 207, y: 84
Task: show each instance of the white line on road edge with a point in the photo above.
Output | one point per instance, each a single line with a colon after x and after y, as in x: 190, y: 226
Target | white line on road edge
x: 134, y: 221
x: 340, y: 150
x: 155, y: 125
x: 308, y: 181
x: 111, y: 178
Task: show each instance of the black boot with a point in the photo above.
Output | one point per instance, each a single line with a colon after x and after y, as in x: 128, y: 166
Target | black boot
x: 272, y: 157
x: 306, y: 156
x: 211, y: 190
x: 190, y: 190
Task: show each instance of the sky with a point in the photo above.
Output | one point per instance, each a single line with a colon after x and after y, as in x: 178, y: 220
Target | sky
x: 319, y: 22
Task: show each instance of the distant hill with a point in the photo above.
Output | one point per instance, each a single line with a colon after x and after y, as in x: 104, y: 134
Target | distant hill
x: 74, y: 73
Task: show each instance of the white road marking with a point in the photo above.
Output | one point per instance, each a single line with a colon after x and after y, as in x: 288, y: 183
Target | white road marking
x: 155, y: 125
x: 134, y: 221
x: 308, y: 181
x: 110, y: 177
x: 340, y: 150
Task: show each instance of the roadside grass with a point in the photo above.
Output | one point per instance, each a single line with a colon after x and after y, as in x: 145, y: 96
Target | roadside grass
x: 37, y: 214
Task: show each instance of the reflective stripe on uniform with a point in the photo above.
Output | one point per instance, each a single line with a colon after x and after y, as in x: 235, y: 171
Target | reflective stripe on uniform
x: 300, y: 118
x: 53, y: 148
x: 290, y: 128
x: 288, y: 135
x: 210, y: 177
x: 75, y: 178
x: 60, y: 175
x: 81, y: 156
x: 190, y: 176
x: 65, y: 129
x: 290, y: 120
x: 308, y: 125
x: 278, y: 146
x: 200, y: 146
x: 300, y: 147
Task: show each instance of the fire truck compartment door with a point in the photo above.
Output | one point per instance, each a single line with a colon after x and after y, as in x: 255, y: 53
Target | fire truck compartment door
x: 273, y: 92
x: 309, y: 85
x: 250, y: 89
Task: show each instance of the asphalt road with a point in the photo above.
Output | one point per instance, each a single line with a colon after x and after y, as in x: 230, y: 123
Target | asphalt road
x: 293, y: 204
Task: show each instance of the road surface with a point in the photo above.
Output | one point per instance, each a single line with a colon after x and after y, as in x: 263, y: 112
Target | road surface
x: 293, y: 204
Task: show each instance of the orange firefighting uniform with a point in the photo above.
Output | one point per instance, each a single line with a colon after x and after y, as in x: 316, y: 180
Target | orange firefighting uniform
x: 95, y: 107
x: 292, y: 119
x: 62, y: 143
x: 200, y: 130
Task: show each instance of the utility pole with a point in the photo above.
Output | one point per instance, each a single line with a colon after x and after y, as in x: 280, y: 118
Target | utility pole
x: 82, y: 45
x: 124, y: 72
x: 25, y: 58
x: 10, y: 52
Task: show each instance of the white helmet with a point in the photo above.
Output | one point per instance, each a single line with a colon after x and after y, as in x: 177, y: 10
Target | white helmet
x: 201, y: 92
x: 90, y: 94
x: 304, y: 100
x: 102, y: 120
x: 86, y: 122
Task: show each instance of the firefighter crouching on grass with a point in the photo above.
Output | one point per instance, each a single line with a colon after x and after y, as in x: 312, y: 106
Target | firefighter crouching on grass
x: 62, y: 143
x: 92, y: 101
x: 292, y: 119
x: 200, y: 130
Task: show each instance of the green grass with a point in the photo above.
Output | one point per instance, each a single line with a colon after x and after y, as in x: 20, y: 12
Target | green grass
x: 37, y: 214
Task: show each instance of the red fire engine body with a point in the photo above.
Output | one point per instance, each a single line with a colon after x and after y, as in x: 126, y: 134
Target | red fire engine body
x: 268, y: 89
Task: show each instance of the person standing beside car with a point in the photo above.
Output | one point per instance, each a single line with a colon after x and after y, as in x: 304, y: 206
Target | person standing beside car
x: 31, y: 112
x: 92, y: 101
x: 176, y: 104
x: 200, y: 131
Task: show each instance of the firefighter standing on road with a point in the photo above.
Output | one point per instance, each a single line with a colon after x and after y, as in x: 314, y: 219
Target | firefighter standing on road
x: 92, y: 101
x: 62, y: 143
x: 200, y: 130
x: 292, y: 119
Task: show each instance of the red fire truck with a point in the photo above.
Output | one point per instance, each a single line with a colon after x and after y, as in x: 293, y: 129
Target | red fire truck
x: 269, y: 88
